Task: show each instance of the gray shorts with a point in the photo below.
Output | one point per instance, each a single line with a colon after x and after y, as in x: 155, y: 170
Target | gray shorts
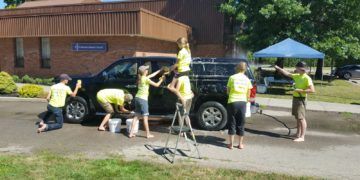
x: 141, y: 107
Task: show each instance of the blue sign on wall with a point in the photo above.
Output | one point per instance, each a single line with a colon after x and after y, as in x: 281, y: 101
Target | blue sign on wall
x: 97, y: 47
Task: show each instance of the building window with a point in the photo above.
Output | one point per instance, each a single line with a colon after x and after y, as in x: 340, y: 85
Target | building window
x: 19, y: 52
x: 45, y: 53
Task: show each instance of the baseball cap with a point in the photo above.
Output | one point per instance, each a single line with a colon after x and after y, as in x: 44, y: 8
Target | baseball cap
x: 301, y: 65
x: 143, y: 68
x: 64, y: 77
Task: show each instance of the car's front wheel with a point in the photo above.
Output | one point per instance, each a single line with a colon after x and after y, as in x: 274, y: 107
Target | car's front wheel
x: 76, y: 109
x: 212, y: 116
x: 347, y: 76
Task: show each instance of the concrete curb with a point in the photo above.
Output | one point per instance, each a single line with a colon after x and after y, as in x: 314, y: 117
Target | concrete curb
x: 311, y: 105
x: 17, y: 99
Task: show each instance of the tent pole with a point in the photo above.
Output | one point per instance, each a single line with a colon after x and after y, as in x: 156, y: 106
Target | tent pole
x: 322, y: 74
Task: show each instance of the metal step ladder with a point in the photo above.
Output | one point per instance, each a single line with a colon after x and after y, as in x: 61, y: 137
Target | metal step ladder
x: 181, y: 130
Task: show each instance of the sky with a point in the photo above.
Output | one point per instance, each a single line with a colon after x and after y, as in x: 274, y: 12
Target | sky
x: 2, y: 4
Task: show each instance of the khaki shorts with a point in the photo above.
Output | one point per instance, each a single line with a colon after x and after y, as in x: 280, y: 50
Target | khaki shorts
x: 299, y: 107
x: 107, y: 107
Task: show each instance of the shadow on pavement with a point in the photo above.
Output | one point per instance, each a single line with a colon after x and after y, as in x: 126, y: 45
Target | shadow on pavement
x: 266, y: 133
x: 212, y: 140
x: 159, y: 150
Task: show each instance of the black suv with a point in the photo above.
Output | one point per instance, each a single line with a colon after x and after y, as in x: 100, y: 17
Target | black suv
x: 209, y: 78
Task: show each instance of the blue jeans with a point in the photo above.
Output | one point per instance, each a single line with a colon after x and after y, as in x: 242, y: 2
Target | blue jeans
x: 141, y: 107
x: 59, y: 120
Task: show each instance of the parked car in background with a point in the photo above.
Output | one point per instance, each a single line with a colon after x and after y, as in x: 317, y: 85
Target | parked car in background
x: 209, y: 78
x: 348, y: 72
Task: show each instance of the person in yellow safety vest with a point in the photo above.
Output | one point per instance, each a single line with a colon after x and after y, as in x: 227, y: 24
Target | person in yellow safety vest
x: 141, y: 98
x: 182, y: 65
x: 185, y: 95
x: 303, y: 86
x: 56, y: 98
x: 238, y: 88
x: 109, y: 97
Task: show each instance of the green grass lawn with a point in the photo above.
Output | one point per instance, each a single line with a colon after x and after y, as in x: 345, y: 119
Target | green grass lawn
x: 338, y: 91
x: 48, y: 166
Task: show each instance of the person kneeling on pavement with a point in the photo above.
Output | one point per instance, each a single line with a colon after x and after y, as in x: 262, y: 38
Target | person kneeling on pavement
x: 56, y: 99
x: 109, y: 97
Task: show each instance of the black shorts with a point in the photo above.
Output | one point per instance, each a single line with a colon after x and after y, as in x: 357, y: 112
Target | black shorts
x: 186, y: 73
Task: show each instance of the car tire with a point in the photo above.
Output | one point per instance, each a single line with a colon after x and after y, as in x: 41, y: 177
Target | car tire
x: 347, y: 75
x: 212, y: 116
x: 76, y: 110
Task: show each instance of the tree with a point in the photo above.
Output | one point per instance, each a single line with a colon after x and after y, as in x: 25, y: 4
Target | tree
x: 13, y: 3
x: 331, y: 26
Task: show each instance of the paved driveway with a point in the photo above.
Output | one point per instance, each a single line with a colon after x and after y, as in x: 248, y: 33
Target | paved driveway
x: 331, y: 149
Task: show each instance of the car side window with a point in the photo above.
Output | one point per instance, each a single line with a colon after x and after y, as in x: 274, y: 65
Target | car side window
x: 123, y: 70
x: 217, y: 69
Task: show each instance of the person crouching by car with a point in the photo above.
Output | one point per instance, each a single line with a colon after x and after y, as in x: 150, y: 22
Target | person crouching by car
x: 303, y: 86
x: 238, y: 87
x: 109, y: 97
x: 141, y: 99
x: 56, y: 98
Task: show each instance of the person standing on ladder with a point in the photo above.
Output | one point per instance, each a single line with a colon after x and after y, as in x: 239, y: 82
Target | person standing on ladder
x: 184, y: 93
x: 303, y: 86
x: 238, y: 87
x: 182, y: 65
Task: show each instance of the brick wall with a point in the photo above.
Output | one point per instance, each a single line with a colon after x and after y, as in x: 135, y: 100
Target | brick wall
x: 63, y: 60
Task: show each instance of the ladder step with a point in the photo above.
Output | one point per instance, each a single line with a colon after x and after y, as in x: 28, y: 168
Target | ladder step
x: 176, y: 129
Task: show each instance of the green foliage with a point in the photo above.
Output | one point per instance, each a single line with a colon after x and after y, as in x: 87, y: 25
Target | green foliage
x: 28, y: 79
x: 49, y: 81
x: 7, y: 84
x: 30, y: 91
x: 49, y: 165
x: 31, y: 80
x: 16, y: 79
x: 13, y: 3
x: 39, y: 81
x: 331, y: 26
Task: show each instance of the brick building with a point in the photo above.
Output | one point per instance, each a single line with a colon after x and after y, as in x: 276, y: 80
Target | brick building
x: 45, y: 38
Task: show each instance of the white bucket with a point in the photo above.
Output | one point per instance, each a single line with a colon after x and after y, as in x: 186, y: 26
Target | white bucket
x: 128, y: 126
x: 115, y: 125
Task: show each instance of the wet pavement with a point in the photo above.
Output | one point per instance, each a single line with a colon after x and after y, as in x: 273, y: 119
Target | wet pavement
x: 331, y: 149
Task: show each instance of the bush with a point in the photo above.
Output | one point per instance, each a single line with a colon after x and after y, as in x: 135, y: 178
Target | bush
x: 17, y: 79
x: 31, y: 91
x: 48, y: 82
x: 39, y: 81
x: 28, y: 79
x: 7, y: 84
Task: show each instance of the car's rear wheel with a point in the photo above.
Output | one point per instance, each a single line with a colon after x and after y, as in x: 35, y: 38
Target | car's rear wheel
x: 76, y: 109
x: 212, y: 116
x: 347, y: 76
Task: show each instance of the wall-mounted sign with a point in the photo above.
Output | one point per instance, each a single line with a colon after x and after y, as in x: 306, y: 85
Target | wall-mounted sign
x: 97, y: 47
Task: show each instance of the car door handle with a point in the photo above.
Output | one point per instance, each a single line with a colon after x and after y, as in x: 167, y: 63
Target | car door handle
x: 130, y: 86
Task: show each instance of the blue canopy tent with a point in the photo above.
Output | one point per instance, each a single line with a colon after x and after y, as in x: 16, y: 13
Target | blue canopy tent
x: 290, y: 48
